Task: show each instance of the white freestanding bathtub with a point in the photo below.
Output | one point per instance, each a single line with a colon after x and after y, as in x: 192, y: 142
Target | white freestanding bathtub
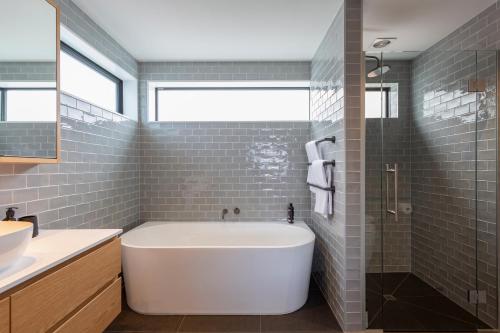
x: 217, y: 267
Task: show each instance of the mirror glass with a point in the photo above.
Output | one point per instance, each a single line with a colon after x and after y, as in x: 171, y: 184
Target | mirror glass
x: 28, y: 79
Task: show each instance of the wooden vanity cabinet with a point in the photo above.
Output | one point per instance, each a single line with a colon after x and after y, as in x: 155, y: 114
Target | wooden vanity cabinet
x: 5, y: 315
x: 81, y: 295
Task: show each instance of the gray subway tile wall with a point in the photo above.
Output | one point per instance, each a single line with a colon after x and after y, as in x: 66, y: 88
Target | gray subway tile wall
x: 327, y: 118
x: 445, y: 120
x: 354, y: 118
x: 96, y: 185
x: 447, y: 180
x: 335, y: 110
x: 190, y: 171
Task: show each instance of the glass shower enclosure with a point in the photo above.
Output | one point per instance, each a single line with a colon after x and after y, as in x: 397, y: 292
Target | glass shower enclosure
x: 431, y: 190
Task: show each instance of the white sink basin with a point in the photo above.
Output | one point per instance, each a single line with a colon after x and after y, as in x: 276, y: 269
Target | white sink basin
x: 14, y: 239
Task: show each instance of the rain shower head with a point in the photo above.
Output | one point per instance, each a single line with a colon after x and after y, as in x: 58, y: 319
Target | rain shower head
x: 379, y: 70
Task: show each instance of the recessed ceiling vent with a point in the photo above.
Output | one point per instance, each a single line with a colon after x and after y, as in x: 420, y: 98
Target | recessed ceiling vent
x: 382, y: 42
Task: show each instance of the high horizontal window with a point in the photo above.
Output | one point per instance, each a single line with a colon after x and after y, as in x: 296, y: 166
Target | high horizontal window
x: 382, y: 101
x: 83, y: 78
x: 28, y: 104
x: 231, y: 103
x: 376, y: 105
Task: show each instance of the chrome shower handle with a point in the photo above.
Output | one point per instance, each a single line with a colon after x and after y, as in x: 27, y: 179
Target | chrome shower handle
x: 394, y: 171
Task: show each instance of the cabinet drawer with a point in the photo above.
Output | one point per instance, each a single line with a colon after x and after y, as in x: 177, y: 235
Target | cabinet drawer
x: 5, y: 315
x: 44, y: 303
x: 96, y: 315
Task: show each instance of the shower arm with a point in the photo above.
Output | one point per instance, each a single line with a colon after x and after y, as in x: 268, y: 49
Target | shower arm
x: 374, y: 58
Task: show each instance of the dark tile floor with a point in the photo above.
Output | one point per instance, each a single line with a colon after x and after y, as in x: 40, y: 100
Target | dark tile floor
x: 314, y: 317
x: 414, y: 306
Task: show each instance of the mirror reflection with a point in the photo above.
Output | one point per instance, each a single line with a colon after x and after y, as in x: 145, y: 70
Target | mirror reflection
x: 28, y: 72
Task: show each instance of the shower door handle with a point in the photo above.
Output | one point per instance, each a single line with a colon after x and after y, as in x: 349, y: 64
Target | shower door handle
x: 394, y: 171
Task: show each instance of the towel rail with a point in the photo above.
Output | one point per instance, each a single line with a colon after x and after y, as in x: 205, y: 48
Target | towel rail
x: 332, y: 189
x: 332, y: 163
x: 330, y: 139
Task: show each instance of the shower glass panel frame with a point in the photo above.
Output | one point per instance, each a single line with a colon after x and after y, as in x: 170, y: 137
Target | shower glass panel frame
x: 431, y: 166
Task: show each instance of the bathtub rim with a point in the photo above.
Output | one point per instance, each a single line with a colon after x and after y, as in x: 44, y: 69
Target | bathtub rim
x: 296, y: 224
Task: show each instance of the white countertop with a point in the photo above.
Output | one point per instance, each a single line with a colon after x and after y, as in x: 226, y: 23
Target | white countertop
x: 49, y: 249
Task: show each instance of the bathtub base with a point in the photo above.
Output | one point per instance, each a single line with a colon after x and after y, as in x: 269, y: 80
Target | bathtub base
x: 198, y: 282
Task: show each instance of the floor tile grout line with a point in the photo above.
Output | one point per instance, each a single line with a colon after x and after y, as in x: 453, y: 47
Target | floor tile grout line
x: 177, y: 325
x: 400, y: 284
x: 180, y: 323
x: 384, y: 301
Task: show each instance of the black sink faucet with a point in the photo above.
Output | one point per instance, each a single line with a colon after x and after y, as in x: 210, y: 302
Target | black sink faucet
x: 33, y: 220
x: 10, y: 214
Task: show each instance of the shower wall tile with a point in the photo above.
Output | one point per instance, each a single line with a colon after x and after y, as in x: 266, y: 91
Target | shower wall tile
x: 335, y: 110
x: 480, y: 33
x: 190, y: 171
x: 354, y: 118
x: 445, y: 130
x: 84, y: 27
x: 446, y: 178
x: 96, y: 185
x: 395, y: 134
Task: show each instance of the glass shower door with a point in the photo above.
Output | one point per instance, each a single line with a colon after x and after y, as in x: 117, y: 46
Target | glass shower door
x: 431, y: 191
x: 375, y: 110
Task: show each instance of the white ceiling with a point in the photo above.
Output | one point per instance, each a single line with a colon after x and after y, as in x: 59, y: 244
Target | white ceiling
x: 225, y: 30
x: 28, y: 31
x: 418, y: 24
x: 260, y: 30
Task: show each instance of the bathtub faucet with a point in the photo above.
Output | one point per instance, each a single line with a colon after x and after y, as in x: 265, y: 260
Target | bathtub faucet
x: 224, y: 212
x: 291, y: 213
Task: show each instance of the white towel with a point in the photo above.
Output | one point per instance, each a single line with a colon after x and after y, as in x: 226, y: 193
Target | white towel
x: 321, y: 175
x: 312, y: 151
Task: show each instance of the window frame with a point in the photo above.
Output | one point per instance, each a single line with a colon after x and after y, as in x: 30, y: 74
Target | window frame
x: 386, y: 91
x: 3, y: 98
x: 100, y: 70
x: 158, y: 89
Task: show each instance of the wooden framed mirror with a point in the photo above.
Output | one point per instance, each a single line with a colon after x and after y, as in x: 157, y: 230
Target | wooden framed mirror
x: 30, y: 82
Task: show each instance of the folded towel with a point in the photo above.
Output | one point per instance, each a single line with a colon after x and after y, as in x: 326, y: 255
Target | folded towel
x: 321, y: 175
x: 312, y: 151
